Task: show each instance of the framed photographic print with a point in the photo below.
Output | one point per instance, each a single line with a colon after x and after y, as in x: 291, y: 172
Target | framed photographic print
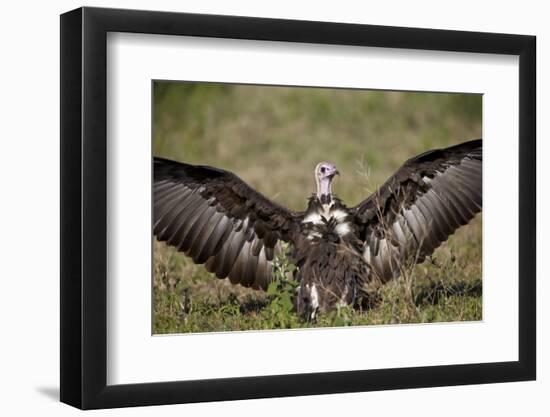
x: 258, y: 207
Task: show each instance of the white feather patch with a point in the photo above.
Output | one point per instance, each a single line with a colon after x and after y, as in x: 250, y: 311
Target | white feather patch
x: 367, y: 254
x: 314, y: 300
x: 318, y: 218
x: 342, y: 229
x: 314, y: 218
x: 339, y: 214
x: 313, y: 235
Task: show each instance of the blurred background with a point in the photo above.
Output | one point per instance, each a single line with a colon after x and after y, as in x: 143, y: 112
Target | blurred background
x: 272, y: 137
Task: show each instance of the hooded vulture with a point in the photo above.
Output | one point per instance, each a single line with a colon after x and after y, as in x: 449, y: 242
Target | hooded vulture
x: 218, y: 220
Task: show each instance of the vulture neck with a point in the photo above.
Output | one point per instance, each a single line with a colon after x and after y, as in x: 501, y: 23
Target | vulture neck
x: 324, y: 192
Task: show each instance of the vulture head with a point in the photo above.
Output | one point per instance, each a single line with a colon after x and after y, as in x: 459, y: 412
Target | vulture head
x: 324, y: 174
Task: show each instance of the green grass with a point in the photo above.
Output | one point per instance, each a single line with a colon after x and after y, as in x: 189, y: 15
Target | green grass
x: 272, y: 137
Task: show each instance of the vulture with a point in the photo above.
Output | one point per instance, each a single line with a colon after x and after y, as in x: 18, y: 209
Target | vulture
x: 218, y: 220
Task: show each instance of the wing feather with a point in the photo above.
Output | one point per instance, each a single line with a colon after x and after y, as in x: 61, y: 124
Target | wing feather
x: 217, y: 219
x: 420, y: 206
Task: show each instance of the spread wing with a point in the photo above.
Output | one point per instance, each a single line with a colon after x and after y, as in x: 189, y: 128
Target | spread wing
x: 420, y: 206
x: 216, y: 218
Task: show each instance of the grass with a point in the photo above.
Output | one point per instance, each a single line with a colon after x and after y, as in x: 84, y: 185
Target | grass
x: 272, y: 137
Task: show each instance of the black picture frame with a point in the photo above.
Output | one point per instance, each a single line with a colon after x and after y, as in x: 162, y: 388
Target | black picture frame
x: 84, y: 207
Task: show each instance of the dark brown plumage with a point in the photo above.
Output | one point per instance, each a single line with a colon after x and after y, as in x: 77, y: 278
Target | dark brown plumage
x: 217, y: 219
x: 420, y: 206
